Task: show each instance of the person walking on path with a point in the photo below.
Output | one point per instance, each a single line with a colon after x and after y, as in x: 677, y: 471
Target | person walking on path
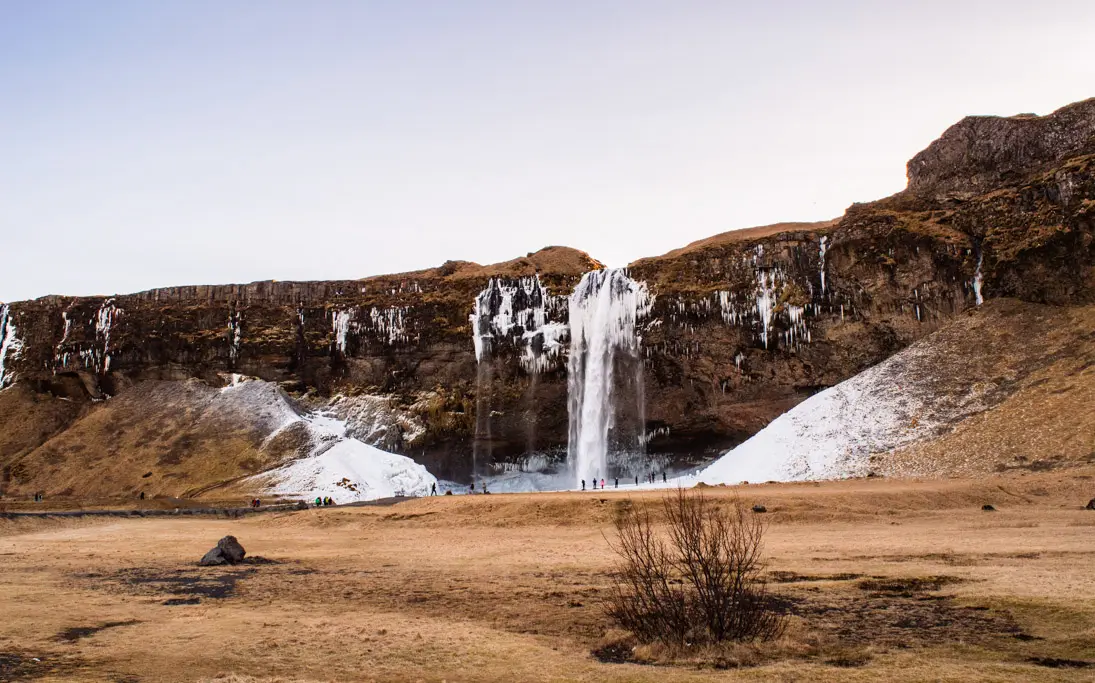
x: 433, y: 489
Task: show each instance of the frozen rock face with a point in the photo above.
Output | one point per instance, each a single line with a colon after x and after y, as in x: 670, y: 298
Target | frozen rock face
x: 982, y: 152
x: 10, y: 345
x: 520, y: 313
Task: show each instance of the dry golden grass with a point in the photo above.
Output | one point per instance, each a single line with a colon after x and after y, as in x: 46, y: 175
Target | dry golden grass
x: 507, y: 588
x: 742, y: 235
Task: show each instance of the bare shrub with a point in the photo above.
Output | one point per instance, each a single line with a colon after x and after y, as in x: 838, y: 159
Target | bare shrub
x: 699, y: 582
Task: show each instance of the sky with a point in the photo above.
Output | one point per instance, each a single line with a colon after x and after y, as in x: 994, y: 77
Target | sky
x: 148, y: 144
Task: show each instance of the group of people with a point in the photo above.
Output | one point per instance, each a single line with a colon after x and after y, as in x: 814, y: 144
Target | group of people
x: 651, y: 478
x: 602, y: 484
x: 326, y: 500
x: 255, y: 502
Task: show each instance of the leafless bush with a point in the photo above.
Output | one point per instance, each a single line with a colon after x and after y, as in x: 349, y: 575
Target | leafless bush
x: 699, y: 582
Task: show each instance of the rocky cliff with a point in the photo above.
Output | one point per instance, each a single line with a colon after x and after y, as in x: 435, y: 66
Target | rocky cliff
x: 468, y: 363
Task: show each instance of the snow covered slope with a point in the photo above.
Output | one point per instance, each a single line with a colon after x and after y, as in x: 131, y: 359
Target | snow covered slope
x: 345, y: 468
x: 883, y: 419
x: 337, y: 464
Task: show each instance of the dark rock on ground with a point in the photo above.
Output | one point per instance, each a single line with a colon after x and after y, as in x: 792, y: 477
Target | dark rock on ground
x: 228, y: 551
x: 213, y: 558
x: 988, y: 508
x: 231, y: 549
x: 759, y: 508
x: 1091, y: 504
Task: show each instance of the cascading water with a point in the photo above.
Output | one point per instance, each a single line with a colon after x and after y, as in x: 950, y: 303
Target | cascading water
x: 605, y: 372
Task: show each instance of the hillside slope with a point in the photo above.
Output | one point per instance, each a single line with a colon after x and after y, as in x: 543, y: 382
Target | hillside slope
x: 1010, y: 385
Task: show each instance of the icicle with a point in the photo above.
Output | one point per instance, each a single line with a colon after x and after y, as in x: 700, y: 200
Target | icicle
x: 978, y: 278
x: 342, y: 323
x: 10, y: 345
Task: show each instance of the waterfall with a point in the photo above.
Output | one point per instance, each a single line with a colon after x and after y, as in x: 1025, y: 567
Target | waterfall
x: 604, y: 347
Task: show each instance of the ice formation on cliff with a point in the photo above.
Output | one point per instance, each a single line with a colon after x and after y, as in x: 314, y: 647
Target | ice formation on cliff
x: 11, y: 346
x: 520, y: 312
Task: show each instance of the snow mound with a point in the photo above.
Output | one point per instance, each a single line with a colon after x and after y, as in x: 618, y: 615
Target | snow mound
x: 336, y: 464
x: 350, y: 470
x: 832, y: 434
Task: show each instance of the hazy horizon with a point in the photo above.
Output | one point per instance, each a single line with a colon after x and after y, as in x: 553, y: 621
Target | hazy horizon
x: 149, y: 145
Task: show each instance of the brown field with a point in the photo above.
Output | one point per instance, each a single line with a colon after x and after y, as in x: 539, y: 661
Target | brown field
x: 883, y: 580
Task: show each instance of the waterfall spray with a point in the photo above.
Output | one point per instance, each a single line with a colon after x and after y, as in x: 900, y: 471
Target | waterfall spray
x: 604, y: 309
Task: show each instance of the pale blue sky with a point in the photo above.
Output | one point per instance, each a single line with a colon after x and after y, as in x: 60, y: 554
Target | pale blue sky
x: 156, y: 143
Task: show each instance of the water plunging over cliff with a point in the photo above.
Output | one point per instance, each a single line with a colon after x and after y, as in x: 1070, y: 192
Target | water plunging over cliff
x: 605, y: 383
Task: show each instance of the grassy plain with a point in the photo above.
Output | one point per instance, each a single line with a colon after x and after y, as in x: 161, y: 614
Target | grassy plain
x: 883, y: 580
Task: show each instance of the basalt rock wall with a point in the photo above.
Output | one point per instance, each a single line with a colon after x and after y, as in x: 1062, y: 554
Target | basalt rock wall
x: 742, y: 326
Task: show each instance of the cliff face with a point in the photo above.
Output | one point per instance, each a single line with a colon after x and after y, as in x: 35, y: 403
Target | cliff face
x: 980, y: 153
x: 742, y: 326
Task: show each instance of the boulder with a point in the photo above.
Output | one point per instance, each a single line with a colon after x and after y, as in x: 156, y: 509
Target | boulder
x: 213, y: 558
x: 231, y: 549
x: 227, y: 551
x: 1091, y: 504
x: 759, y: 508
x: 988, y: 508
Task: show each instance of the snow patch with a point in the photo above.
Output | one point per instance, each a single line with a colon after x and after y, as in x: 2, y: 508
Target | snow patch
x: 832, y: 434
x: 337, y: 464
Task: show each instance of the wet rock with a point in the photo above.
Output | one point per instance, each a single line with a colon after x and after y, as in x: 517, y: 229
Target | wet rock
x: 988, y: 508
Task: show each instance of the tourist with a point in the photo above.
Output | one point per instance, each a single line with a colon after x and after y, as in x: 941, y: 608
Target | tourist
x: 602, y: 484
x: 663, y: 476
x: 583, y: 484
x: 617, y: 482
x: 319, y: 501
x: 433, y: 489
